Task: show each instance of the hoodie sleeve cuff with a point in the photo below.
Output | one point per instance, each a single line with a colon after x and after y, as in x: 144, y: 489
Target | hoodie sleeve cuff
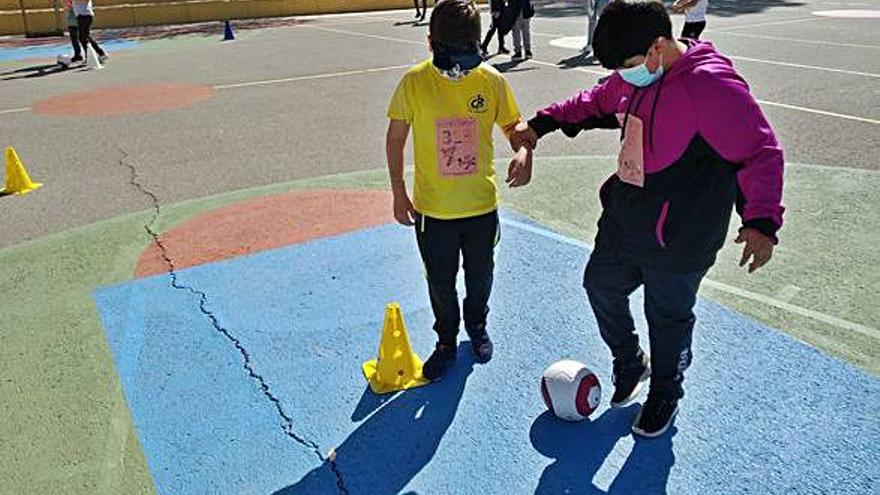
x: 763, y: 225
x: 543, y: 124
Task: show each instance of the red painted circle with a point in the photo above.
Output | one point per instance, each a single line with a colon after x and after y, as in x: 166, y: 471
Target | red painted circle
x: 265, y: 223
x: 121, y: 100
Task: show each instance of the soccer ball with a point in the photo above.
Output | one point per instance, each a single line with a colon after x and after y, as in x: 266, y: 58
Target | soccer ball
x: 571, y: 391
x: 63, y: 60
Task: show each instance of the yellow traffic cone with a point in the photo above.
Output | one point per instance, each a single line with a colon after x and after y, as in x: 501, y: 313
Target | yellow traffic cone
x: 398, y: 367
x: 17, y: 179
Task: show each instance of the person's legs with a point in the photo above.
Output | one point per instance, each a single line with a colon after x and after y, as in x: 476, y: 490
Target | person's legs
x: 669, y: 302
x: 478, y: 249
x: 98, y: 49
x: 693, y: 30
x: 84, y: 22
x: 74, y: 42
x: 416, y: 5
x: 609, y: 283
x: 595, y: 8
x: 517, y: 37
x: 85, y: 36
x: 527, y: 36
x: 485, y: 44
x: 501, y: 47
x: 439, y: 243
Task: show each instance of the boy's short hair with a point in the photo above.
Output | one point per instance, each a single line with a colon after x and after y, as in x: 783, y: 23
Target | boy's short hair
x: 627, y: 28
x: 455, y: 23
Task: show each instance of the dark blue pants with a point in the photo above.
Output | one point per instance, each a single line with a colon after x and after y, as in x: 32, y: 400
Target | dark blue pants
x: 669, y: 300
x: 442, y: 244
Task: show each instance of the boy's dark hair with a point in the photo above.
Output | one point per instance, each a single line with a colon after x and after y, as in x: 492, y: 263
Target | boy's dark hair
x: 455, y: 23
x: 627, y: 28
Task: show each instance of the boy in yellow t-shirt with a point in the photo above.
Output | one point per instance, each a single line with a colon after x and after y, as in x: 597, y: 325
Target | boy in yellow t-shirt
x: 452, y: 102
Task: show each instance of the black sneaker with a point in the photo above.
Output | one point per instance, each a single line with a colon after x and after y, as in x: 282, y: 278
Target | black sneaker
x: 628, y: 383
x: 75, y: 59
x: 440, y: 360
x: 517, y: 56
x: 503, y: 51
x: 482, y: 347
x: 528, y: 54
x: 656, y: 416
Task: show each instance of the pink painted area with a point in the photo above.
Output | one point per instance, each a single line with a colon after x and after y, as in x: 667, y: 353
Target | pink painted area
x: 267, y: 223
x: 121, y: 100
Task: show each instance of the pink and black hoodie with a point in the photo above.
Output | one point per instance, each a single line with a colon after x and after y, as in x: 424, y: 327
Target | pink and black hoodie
x: 706, y: 146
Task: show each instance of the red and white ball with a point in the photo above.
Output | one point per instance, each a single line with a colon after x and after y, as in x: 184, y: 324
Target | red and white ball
x: 571, y: 391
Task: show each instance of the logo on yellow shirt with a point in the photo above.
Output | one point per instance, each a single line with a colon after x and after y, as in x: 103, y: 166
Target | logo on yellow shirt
x: 477, y: 103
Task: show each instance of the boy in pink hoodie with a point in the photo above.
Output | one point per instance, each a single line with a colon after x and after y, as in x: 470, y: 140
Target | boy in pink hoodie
x: 694, y: 144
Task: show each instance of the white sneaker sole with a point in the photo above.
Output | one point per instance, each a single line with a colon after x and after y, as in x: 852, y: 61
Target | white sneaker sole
x: 636, y: 391
x: 642, y: 433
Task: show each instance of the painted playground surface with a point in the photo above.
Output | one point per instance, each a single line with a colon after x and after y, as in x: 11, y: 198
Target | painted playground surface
x: 188, y: 300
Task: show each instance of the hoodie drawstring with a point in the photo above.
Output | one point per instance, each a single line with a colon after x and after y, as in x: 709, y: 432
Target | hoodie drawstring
x: 630, y: 110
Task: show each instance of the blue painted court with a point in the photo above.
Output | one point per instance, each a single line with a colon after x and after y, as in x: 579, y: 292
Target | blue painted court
x: 763, y: 413
x: 51, y: 51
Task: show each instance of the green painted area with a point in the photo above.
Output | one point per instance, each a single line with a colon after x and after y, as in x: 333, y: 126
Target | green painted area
x: 827, y: 260
x: 65, y: 426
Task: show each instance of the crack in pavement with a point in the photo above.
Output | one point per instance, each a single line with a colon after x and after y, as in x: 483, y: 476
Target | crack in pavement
x: 287, y: 421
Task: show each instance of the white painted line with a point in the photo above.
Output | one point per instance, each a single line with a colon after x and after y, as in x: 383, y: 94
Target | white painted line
x: 349, y: 22
x: 802, y: 66
x: 604, y: 73
x: 791, y: 308
x: 820, y: 112
x: 534, y: 229
x: 14, y: 110
x: 312, y: 77
x: 764, y: 24
x: 559, y: 35
x: 373, y: 36
x: 596, y: 72
x: 794, y: 40
x: 753, y: 296
x: 345, y: 15
x: 849, y: 14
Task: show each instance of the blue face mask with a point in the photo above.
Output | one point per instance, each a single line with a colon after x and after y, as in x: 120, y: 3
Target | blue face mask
x: 640, y: 75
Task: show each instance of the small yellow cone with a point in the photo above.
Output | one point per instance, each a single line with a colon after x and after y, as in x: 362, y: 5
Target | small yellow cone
x: 17, y: 179
x: 398, y: 367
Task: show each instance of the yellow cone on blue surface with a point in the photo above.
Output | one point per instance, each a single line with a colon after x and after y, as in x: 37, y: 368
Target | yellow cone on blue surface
x: 17, y: 179
x: 398, y: 367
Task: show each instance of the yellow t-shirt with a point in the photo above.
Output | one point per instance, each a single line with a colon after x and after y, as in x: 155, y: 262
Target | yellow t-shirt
x: 452, y: 137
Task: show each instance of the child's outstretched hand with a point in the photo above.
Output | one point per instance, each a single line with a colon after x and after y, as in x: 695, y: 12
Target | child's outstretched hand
x: 519, y: 173
x: 523, y: 135
x: 404, y: 212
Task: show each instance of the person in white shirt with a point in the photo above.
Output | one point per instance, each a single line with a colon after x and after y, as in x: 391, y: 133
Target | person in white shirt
x: 694, y: 16
x: 85, y: 15
x: 594, y: 8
